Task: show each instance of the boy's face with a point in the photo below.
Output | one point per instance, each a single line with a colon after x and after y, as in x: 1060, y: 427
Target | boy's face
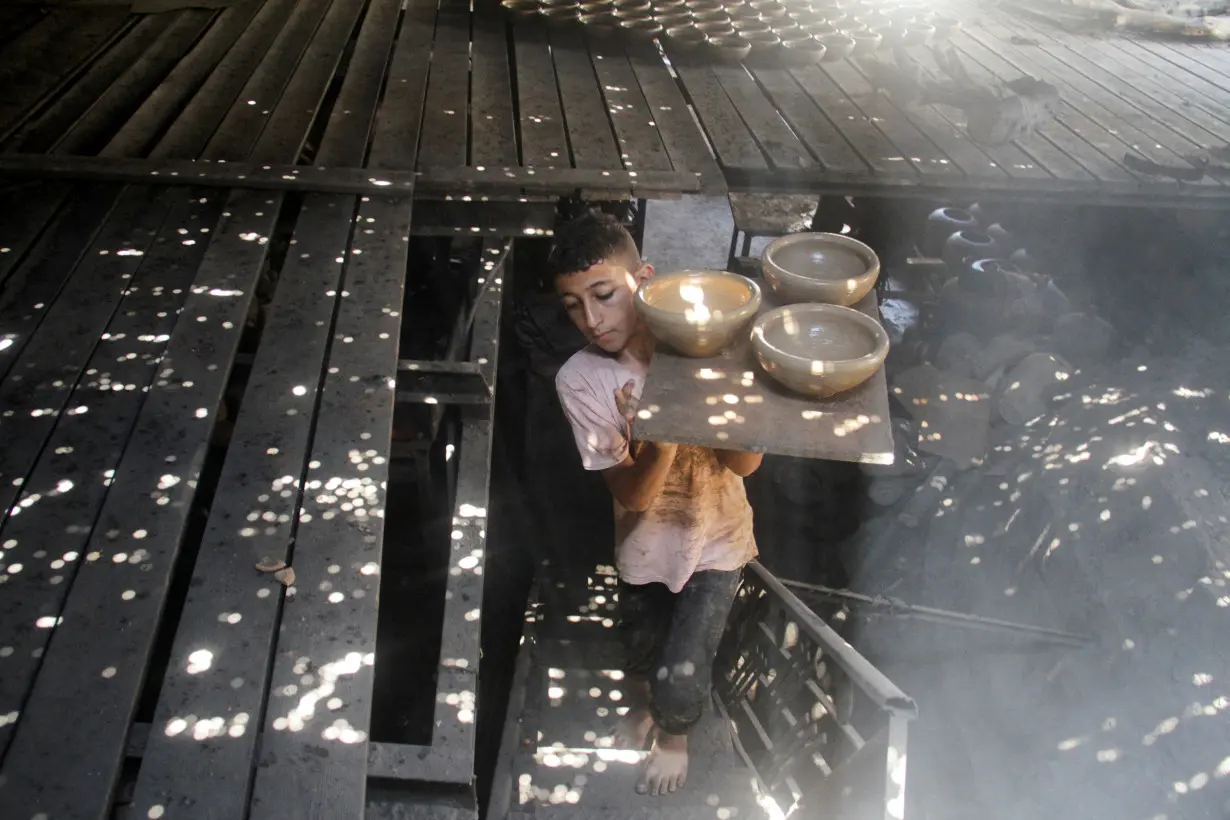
x: 599, y: 301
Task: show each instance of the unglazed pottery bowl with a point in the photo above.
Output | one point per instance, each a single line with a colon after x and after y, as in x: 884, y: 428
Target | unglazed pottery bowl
x: 697, y: 312
x: 837, y: 46
x: 687, y: 39
x: 819, y: 350
x: 641, y: 29
x: 802, y: 51
x: 522, y: 9
x: 820, y: 267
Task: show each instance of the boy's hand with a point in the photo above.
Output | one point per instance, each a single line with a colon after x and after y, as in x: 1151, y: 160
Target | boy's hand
x: 626, y: 402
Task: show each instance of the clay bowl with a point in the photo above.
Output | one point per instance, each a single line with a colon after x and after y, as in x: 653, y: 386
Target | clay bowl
x: 697, y: 312
x: 521, y: 9
x: 822, y: 29
x: 819, y: 350
x: 669, y: 7
x: 561, y: 15
x: 748, y: 26
x: 820, y: 267
x: 687, y: 39
x: 695, y: 6
x: 802, y: 51
x: 837, y: 46
x: 742, y: 13
x: 641, y: 29
x: 601, y: 24
x: 715, y: 29
x: 711, y: 17
x: 729, y: 48
x: 670, y: 21
x: 765, y: 47
x: 866, y: 41
x: 633, y: 7
x: 770, y: 9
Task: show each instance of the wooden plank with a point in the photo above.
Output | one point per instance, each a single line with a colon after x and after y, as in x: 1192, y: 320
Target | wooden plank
x: 251, y: 111
x: 681, y: 134
x: 493, y: 133
x: 640, y: 144
x: 192, y: 129
x: 124, y: 96
x: 350, y: 121
x: 167, y: 100
x: 678, y: 404
x: 41, y: 132
x: 65, y: 488
x: 1144, y: 95
x: 21, y: 227
x: 1137, y: 132
x: 270, y: 443
x: 16, y: 19
x: 1194, y: 90
x: 913, y: 144
x: 1182, y: 59
x: 949, y: 138
x: 27, y: 76
x: 825, y: 141
x: 775, y: 137
x: 734, y: 144
x: 330, y: 630
x: 1075, y: 136
x: 446, y: 112
x: 589, y: 129
x: 543, y: 141
x: 1007, y: 159
x: 872, y: 138
x: 286, y: 128
x: 70, y: 742
x: 70, y: 241
x: 395, y: 139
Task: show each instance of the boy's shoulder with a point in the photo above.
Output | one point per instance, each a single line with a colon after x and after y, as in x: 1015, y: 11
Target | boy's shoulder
x: 589, y: 369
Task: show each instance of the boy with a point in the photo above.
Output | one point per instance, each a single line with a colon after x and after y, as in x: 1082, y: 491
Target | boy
x: 683, y: 527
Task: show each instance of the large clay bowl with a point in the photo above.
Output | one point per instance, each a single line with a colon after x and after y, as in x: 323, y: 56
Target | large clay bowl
x: 697, y: 312
x: 820, y: 267
x: 819, y: 350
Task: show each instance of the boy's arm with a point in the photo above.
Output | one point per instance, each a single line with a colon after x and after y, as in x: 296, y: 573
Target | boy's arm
x: 739, y: 462
x: 638, y: 479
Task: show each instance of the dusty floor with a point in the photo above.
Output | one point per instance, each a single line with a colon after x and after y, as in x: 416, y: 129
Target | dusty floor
x: 1108, y: 517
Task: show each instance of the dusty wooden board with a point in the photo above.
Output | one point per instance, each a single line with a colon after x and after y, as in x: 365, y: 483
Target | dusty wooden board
x: 543, y: 141
x: 91, y: 131
x: 446, y: 113
x: 705, y: 402
x: 64, y: 489
x: 71, y: 739
x: 41, y: 131
x: 165, y: 103
x: 493, y: 138
x: 270, y: 442
x: 207, y: 108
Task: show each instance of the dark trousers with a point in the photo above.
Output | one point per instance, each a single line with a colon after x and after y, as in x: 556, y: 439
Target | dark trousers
x: 671, y: 639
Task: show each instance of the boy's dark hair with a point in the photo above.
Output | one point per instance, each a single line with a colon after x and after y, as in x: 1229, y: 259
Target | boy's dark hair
x: 587, y: 240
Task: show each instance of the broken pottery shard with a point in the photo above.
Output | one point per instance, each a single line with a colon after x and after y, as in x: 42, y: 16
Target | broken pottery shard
x: 286, y: 576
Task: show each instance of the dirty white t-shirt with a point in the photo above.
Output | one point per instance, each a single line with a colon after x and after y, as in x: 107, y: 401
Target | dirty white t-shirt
x: 700, y: 521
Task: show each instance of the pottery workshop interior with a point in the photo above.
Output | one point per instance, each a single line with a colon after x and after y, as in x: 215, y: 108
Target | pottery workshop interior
x: 614, y: 409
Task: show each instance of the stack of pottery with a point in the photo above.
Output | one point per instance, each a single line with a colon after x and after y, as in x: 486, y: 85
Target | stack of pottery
x: 767, y: 32
x: 998, y: 321
x: 816, y: 343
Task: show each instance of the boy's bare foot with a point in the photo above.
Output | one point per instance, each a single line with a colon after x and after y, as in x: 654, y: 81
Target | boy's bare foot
x: 666, y: 768
x: 633, y: 729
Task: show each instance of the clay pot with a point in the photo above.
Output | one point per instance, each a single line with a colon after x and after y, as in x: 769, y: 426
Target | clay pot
x: 1023, y: 260
x: 730, y: 48
x: 1003, y: 237
x: 943, y: 223
x: 987, y: 276
x: 964, y: 246
x: 1082, y: 339
x: 802, y: 51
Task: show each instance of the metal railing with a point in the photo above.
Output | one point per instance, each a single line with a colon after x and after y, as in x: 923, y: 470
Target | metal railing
x: 824, y: 730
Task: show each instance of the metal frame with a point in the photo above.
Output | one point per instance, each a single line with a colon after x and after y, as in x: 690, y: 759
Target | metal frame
x: 795, y: 690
